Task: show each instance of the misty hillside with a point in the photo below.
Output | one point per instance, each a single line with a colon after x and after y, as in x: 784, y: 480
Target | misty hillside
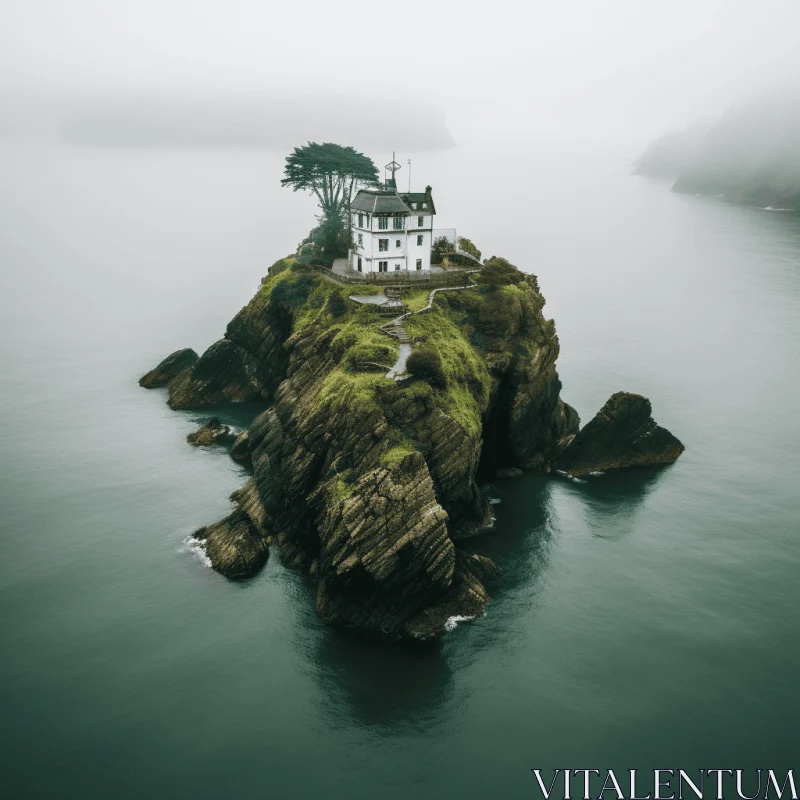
x: 671, y: 153
x: 750, y: 156
x: 252, y: 122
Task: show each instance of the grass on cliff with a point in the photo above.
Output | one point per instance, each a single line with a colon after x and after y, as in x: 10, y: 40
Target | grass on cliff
x: 465, y: 395
x: 395, y: 454
x: 314, y: 301
x: 349, y: 329
x: 453, y: 328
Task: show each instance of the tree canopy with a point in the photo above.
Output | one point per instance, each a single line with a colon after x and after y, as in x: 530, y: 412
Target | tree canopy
x: 330, y: 171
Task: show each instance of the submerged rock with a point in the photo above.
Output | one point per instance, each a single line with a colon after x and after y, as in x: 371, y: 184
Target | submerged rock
x: 623, y: 434
x: 172, y: 366
x: 213, y: 432
x: 509, y: 472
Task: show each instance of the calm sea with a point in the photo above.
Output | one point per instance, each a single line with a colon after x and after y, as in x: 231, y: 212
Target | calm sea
x: 643, y: 620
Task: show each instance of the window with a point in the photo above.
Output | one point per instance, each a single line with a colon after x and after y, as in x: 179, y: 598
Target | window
x: 397, y: 243
x: 360, y: 220
x: 383, y: 223
x: 419, y: 263
x: 368, y: 221
x: 420, y: 221
x: 398, y: 223
x: 383, y: 266
x: 359, y: 263
x: 420, y: 240
x: 361, y: 239
x: 396, y: 267
x: 383, y: 245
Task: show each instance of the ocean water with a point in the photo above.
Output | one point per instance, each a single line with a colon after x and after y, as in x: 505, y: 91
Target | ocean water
x: 646, y: 619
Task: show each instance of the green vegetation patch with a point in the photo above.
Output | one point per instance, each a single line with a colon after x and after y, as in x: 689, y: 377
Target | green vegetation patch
x: 464, y: 394
x: 416, y: 299
x: 499, y: 272
x: 395, y: 454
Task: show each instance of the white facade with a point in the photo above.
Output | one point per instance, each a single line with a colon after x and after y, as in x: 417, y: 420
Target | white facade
x: 392, y: 232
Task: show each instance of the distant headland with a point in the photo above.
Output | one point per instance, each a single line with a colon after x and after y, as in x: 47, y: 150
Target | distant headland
x: 750, y: 156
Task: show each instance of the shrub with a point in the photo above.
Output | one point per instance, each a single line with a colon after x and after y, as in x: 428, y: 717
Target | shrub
x: 427, y: 365
x: 292, y: 292
x: 337, y: 305
x: 499, y: 272
x: 441, y: 247
x: 467, y: 246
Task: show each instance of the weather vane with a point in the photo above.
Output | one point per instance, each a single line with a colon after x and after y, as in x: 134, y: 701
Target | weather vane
x: 393, y: 166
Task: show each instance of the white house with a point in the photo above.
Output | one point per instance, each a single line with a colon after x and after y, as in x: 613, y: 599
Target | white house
x: 392, y: 231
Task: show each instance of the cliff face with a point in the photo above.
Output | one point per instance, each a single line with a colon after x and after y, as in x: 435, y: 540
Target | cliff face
x: 370, y: 483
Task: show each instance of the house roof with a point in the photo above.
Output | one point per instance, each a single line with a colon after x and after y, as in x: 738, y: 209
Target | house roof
x: 382, y: 201
x: 378, y: 202
x: 420, y: 197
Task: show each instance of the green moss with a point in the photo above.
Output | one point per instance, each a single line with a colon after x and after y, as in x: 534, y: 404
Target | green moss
x: 465, y: 395
x: 342, y: 490
x: 394, y: 455
x: 350, y: 392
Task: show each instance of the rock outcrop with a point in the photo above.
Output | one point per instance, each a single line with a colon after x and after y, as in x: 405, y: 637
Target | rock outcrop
x: 240, y: 450
x: 623, y: 434
x: 213, y: 432
x: 370, y: 484
x: 235, y: 546
x: 171, y: 367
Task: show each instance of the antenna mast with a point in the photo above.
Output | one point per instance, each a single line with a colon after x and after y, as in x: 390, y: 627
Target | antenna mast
x: 393, y: 166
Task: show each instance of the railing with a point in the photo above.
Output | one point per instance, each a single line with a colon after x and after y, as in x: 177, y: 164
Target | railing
x: 390, y: 310
x: 451, y: 277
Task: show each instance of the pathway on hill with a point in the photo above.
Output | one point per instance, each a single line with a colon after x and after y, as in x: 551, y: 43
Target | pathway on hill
x: 397, y: 330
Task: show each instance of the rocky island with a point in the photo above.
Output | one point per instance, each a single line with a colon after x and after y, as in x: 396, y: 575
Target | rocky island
x: 393, y: 380
x: 371, y: 483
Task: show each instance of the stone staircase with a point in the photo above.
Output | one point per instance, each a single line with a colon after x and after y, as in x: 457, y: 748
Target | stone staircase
x: 397, y: 330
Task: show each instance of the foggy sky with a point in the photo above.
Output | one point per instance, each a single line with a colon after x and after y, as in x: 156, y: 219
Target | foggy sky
x: 623, y: 69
